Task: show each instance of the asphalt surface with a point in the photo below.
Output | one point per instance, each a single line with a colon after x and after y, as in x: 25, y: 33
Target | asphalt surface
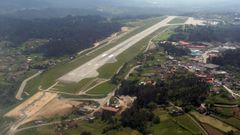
x: 21, y: 88
x: 90, y: 68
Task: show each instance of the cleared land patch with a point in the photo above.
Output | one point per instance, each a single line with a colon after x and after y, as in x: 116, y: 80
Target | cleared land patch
x: 32, y: 105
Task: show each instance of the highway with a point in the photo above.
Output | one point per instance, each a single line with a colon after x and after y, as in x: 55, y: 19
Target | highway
x: 90, y: 68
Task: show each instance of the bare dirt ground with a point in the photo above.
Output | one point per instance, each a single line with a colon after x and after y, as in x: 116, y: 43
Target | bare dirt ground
x: 126, y: 102
x: 61, y: 108
x: 32, y: 105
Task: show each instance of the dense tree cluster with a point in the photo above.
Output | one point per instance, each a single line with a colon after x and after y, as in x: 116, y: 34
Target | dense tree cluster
x: 228, y: 58
x: 183, y: 89
x: 146, y: 93
x: 174, y: 51
x: 137, y: 118
x: 7, y: 95
x: 220, y: 33
x: 66, y: 35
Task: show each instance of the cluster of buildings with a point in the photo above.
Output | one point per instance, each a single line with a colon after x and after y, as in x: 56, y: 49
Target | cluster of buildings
x: 198, y: 63
x: 116, y: 105
x: 196, y: 50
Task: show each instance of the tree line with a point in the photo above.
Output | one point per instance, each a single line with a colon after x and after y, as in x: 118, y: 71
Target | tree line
x: 183, y: 89
x: 174, y: 51
x: 220, y: 33
x: 66, y: 35
x: 228, y: 58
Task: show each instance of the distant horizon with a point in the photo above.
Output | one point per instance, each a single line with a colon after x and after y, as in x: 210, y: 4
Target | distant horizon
x: 203, y: 4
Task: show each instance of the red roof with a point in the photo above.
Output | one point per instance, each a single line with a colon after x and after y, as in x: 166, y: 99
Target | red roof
x: 196, y: 46
x: 111, y: 109
x: 184, y: 42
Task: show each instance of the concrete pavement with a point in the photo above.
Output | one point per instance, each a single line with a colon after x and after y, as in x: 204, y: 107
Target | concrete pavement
x: 24, y: 83
x: 90, y: 68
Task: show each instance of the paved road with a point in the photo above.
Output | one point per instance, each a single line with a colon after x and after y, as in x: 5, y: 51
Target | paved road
x: 131, y: 71
x: 235, y: 95
x: 21, y: 88
x: 90, y: 68
x: 198, y: 124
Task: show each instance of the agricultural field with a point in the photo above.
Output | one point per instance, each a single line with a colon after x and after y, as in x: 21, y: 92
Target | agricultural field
x: 211, y: 130
x: 231, y: 121
x: 222, y: 98
x: 95, y: 128
x: 188, y: 124
x: 213, y: 122
x: 154, y: 59
x: 167, y: 126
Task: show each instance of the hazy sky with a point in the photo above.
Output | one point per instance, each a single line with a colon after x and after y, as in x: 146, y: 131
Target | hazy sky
x: 137, y: 2
x: 208, y: 4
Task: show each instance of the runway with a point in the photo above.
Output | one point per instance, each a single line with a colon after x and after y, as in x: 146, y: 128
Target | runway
x: 90, y: 68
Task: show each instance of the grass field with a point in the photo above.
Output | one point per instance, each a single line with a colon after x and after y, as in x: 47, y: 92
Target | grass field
x: 45, y: 130
x: 124, y: 131
x: 108, y: 70
x: 178, y: 20
x: 102, y: 89
x: 218, y: 99
x: 211, y: 130
x: 49, y: 77
x: 231, y: 121
x: 74, y: 87
x: 213, y: 122
x: 165, y: 35
x: 167, y: 126
x: 187, y: 123
x: 94, y: 128
x: 223, y: 111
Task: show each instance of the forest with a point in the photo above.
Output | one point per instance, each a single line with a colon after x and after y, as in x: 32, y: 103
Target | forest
x: 228, y: 58
x: 66, y: 35
x: 182, y: 89
x: 220, y: 33
x: 173, y: 50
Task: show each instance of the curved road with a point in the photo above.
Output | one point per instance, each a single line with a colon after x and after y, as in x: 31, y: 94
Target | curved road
x: 24, y: 83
